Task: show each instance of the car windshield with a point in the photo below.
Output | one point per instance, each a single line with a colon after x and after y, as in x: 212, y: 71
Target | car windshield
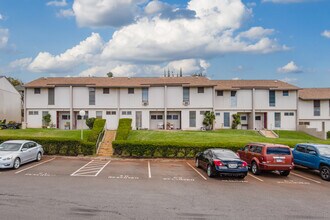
x: 324, y: 150
x: 10, y: 147
x: 225, y: 154
x: 278, y: 150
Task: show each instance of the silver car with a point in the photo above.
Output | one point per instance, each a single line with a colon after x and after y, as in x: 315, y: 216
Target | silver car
x: 15, y: 153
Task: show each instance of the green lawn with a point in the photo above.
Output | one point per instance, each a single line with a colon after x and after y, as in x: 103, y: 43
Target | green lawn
x: 225, y: 137
x: 53, y: 133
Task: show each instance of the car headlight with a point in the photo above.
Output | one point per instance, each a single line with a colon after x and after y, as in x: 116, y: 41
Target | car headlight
x: 8, y: 158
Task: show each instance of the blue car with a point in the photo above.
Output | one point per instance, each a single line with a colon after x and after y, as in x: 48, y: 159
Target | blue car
x: 313, y: 156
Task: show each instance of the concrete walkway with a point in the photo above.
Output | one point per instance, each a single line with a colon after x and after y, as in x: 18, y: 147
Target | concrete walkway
x: 268, y: 133
x: 106, y: 146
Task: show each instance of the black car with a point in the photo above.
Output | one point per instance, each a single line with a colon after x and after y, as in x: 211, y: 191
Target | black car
x: 221, y: 162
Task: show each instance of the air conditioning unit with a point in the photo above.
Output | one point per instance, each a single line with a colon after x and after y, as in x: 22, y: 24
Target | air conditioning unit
x: 186, y: 103
x: 145, y: 103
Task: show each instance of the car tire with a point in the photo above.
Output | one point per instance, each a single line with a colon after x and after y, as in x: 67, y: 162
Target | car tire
x: 39, y: 156
x: 285, y: 173
x: 197, y: 163
x: 17, y: 163
x: 209, y: 171
x: 325, y: 173
x: 255, y: 169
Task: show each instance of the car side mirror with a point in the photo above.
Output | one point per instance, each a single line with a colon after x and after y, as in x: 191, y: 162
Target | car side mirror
x: 312, y: 153
x: 24, y: 149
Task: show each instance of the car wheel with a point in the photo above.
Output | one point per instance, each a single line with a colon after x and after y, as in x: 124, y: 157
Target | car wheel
x: 255, y: 169
x: 209, y: 171
x: 38, y: 157
x: 325, y: 173
x: 197, y: 163
x: 17, y: 163
x: 285, y: 173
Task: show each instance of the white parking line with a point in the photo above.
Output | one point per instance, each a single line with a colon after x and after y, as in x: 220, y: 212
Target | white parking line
x: 256, y: 177
x: 35, y: 165
x: 197, y: 171
x: 295, y: 174
x: 92, y: 168
x: 149, y: 170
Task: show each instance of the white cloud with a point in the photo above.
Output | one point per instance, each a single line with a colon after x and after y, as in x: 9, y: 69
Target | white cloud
x: 287, y: 1
x: 65, y: 13
x: 20, y: 63
x: 291, y: 67
x: 289, y: 80
x: 256, y: 33
x: 57, y: 3
x: 99, y: 13
x: 4, y: 37
x: 326, y: 33
x: 85, y: 52
x: 1, y: 17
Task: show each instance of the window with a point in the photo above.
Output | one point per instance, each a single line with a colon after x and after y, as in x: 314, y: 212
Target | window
x: 106, y: 91
x: 278, y: 151
x: 200, y: 89
x: 91, y: 96
x: 65, y: 117
x: 233, y: 99
x: 202, y: 112
x: 258, y: 118
x: 309, y: 149
x: 85, y: 117
x: 175, y: 117
x: 110, y: 112
x: 32, y: 145
x: 192, y: 119
x: 277, y: 119
x: 130, y: 90
x: 272, y: 99
x: 317, y: 108
x: 51, y: 96
x: 226, y: 119
x: 99, y: 114
x: 33, y: 113
x: 233, y: 93
x: 285, y: 93
x: 217, y: 114
x: 37, y: 90
x: 153, y: 117
x: 145, y: 95
x: 288, y: 113
x: 220, y: 93
x: 243, y: 118
x: 304, y: 123
x: 126, y: 113
x: 258, y: 150
x: 301, y: 149
x: 186, y: 94
x: 169, y: 117
x: 159, y: 117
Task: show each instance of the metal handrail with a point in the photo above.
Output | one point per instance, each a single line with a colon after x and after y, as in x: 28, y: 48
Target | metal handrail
x: 100, y: 139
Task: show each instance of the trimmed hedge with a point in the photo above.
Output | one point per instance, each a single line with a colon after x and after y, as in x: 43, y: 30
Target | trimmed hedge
x: 163, y: 149
x: 56, y: 146
x: 328, y: 134
x: 124, y: 127
x: 97, y: 129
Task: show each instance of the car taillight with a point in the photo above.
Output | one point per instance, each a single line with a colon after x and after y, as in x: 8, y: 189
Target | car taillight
x: 217, y: 163
x: 244, y: 164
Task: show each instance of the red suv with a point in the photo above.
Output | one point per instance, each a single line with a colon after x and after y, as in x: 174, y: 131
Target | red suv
x: 267, y: 157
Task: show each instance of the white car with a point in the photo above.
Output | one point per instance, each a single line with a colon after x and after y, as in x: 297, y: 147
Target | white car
x: 15, y: 153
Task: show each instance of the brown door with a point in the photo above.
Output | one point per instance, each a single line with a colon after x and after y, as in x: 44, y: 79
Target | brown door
x: 265, y: 120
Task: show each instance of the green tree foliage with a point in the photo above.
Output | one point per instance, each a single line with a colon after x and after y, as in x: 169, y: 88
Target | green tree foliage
x: 15, y: 81
x: 110, y: 74
x: 90, y: 122
x: 209, y: 119
x: 47, y: 119
x: 236, y: 121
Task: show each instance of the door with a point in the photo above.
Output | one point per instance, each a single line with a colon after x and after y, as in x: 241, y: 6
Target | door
x: 226, y: 119
x: 243, y: 153
x: 265, y: 120
x: 259, y: 122
x: 298, y: 154
x: 138, y: 119
x: 311, y: 159
x: 33, y: 148
x: 277, y: 120
x: 25, y: 153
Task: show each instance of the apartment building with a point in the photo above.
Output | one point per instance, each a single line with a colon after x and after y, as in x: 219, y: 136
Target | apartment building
x: 314, y: 108
x: 261, y: 104
x: 10, y: 101
x: 161, y: 103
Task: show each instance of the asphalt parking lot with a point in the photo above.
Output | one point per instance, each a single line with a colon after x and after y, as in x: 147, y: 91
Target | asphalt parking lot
x: 78, y: 188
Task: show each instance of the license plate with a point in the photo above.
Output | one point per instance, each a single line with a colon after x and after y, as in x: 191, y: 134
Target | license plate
x: 279, y: 161
x: 232, y: 165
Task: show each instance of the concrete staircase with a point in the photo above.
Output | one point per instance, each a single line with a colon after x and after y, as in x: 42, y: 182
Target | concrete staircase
x: 106, y: 145
x: 268, y: 134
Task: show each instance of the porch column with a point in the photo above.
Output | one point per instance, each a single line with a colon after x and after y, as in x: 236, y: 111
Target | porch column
x: 24, y: 126
x: 253, y: 110
x: 71, y: 108
x: 297, y: 110
x: 118, y: 104
x: 165, y: 107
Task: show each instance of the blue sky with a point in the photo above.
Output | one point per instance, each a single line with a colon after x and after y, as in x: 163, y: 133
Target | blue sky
x: 238, y: 39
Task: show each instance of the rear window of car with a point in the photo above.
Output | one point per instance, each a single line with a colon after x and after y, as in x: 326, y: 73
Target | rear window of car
x: 225, y: 154
x: 278, y: 150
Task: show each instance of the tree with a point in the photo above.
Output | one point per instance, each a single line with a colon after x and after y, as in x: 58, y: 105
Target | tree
x: 47, y: 119
x: 15, y: 81
x: 90, y: 122
x: 209, y: 119
x: 236, y: 121
x: 110, y: 74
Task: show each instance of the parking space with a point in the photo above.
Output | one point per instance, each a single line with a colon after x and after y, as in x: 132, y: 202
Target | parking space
x: 91, y: 169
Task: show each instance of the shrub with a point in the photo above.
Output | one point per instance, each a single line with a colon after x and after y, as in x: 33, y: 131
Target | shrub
x: 47, y: 119
x: 90, y: 122
x: 56, y: 146
x: 124, y: 127
x: 209, y: 119
x: 328, y: 134
x: 236, y: 121
x: 98, y: 126
x: 164, y: 149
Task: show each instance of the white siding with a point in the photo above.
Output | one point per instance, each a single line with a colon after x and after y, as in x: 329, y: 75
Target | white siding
x: 10, y: 102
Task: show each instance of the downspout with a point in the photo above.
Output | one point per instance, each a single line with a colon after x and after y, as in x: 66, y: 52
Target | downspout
x: 71, y: 108
x: 165, y: 107
x: 118, y: 104
x: 253, y: 109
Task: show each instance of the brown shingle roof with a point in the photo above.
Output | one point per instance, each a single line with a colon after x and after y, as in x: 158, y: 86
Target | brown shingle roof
x: 120, y: 81
x: 257, y: 84
x: 315, y: 93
